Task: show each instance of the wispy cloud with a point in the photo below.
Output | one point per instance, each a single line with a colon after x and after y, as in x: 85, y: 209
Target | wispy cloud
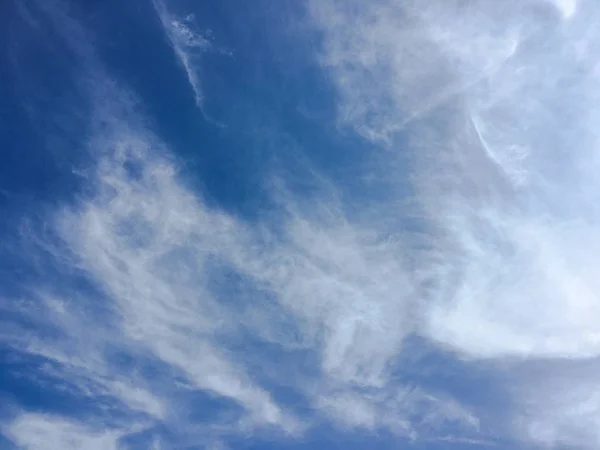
x: 495, y: 105
x: 146, y: 241
x: 189, y: 44
x: 44, y: 432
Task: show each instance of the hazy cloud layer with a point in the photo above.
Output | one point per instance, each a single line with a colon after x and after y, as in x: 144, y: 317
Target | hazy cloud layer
x: 497, y: 105
x: 189, y: 43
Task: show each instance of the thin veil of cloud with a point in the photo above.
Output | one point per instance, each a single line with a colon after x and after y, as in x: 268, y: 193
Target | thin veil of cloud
x: 496, y: 104
x: 35, y: 431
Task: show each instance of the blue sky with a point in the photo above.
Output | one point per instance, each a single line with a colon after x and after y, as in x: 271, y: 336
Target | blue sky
x: 299, y: 224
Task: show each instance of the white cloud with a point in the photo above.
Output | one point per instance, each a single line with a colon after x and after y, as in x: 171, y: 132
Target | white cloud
x: 346, y: 290
x: 350, y: 409
x: 496, y: 105
x: 44, y: 432
x: 151, y: 247
x: 143, y: 241
x: 400, y: 61
x: 512, y: 199
x: 188, y: 44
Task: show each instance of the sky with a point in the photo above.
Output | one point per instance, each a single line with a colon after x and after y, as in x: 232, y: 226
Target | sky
x: 308, y: 224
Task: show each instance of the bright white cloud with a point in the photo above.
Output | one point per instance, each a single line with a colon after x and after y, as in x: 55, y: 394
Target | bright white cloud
x: 409, y: 412
x: 566, y: 7
x: 188, y: 44
x: 467, y: 74
x: 147, y: 241
x: 151, y: 246
x: 512, y: 197
x: 42, y: 432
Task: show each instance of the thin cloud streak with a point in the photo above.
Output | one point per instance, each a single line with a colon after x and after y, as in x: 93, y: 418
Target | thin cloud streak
x: 188, y: 44
x: 45, y: 432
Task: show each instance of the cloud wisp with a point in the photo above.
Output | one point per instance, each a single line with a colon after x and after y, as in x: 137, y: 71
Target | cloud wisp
x: 188, y: 43
x: 496, y: 106
x: 34, y: 431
